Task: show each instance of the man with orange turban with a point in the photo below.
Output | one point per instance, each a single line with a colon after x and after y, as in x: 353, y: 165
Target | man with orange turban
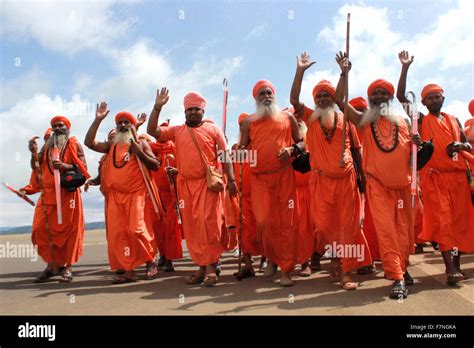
x: 271, y: 133
x: 335, y: 202
x: 60, y: 245
x: 130, y: 243
x: 386, y: 144
x: 167, y: 230
x: 445, y: 186
x: 197, y: 159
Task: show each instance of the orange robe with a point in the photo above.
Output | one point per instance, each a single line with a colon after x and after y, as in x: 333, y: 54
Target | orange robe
x: 445, y: 188
x: 130, y: 243
x: 202, y: 208
x: 388, y: 195
x: 67, y: 238
x: 273, y: 190
x: 250, y: 242
x: 167, y: 231
x: 335, y: 202
x: 305, y: 234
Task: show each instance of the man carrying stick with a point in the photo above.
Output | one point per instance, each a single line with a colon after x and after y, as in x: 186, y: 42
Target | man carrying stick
x: 60, y: 245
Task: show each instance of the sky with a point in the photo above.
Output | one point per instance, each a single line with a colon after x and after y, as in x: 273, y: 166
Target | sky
x: 61, y: 58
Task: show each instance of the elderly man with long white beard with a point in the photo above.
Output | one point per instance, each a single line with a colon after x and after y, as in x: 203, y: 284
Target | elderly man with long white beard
x: 334, y: 197
x: 386, y: 143
x: 130, y: 243
x: 272, y: 133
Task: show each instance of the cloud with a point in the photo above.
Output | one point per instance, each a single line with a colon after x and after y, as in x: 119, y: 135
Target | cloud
x: 66, y: 27
x: 23, y: 87
x: 256, y: 31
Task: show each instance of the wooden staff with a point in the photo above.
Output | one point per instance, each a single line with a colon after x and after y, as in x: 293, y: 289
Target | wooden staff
x: 224, y: 107
x: 57, y: 182
x: 174, y: 191
x: 154, y: 195
x: 346, y: 94
x: 43, y: 205
x: 414, y: 149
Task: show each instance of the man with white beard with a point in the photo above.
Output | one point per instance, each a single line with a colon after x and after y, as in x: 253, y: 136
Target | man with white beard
x: 386, y: 143
x: 335, y: 203
x: 130, y: 243
x: 272, y: 133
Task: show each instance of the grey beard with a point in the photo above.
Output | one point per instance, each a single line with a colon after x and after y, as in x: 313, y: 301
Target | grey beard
x: 61, y: 140
x: 263, y: 110
x: 122, y: 137
x: 326, y: 115
x: 374, y: 112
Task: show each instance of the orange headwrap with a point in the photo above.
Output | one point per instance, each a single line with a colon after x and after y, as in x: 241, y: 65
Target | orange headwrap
x: 262, y: 84
x: 381, y: 83
x: 126, y: 115
x: 47, y: 134
x: 194, y: 100
x: 359, y: 103
x: 242, y: 117
x: 431, y: 88
x: 324, y: 85
x: 164, y: 124
x: 61, y: 119
x: 471, y: 107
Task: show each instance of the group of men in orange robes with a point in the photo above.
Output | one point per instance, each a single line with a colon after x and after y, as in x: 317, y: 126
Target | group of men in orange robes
x: 360, y: 154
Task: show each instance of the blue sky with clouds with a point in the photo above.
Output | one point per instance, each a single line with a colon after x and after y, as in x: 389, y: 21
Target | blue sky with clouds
x: 63, y: 57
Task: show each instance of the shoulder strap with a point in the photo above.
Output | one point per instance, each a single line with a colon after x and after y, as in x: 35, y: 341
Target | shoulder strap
x: 197, y: 146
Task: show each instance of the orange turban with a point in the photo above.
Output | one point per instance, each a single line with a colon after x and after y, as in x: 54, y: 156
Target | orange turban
x: 194, y: 100
x: 324, y: 85
x: 164, y: 124
x: 126, y: 115
x: 471, y: 107
x: 381, y: 83
x: 242, y: 117
x: 262, y: 84
x: 431, y: 88
x: 61, y: 119
x: 47, y: 134
x: 359, y: 103
x: 469, y: 122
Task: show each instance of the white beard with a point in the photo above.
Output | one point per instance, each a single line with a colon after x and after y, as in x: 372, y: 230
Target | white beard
x: 272, y: 110
x: 374, y: 112
x: 326, y: 115
x: 61, y: 140
x: 123, y: 137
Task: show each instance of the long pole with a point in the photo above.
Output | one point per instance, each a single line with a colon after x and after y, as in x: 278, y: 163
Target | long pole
x: 414, y: 148
x: 57, y: 182
x: 174, y: 191
x: 346, y: 94
x: 224, y: 107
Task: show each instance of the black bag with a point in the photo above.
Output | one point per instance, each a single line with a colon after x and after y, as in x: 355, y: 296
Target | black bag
x: 301, y: 162
x: 424, y: 154
x: 73, y: 179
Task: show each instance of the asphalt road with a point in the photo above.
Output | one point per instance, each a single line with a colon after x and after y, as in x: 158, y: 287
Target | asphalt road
x: 92, y: 293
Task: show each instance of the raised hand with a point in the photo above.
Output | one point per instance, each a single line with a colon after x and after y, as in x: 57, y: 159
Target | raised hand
x: 162, y: 97
x: 101, y: 111
x: 141, y: 119
x: 303, y: 62
x: 343, y: 62
x: 405, y: 58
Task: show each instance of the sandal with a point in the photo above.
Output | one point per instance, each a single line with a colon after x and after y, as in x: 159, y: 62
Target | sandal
x: 245, y: 273
x: 44, y: 276
x: 305, y: 271
x: 348, y: 284
x: 210, y: 280
x: 65, y: 274
x: 454, y: 278
x: 195, y: 279
x: 151, y: 270
x: 398, y: 290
